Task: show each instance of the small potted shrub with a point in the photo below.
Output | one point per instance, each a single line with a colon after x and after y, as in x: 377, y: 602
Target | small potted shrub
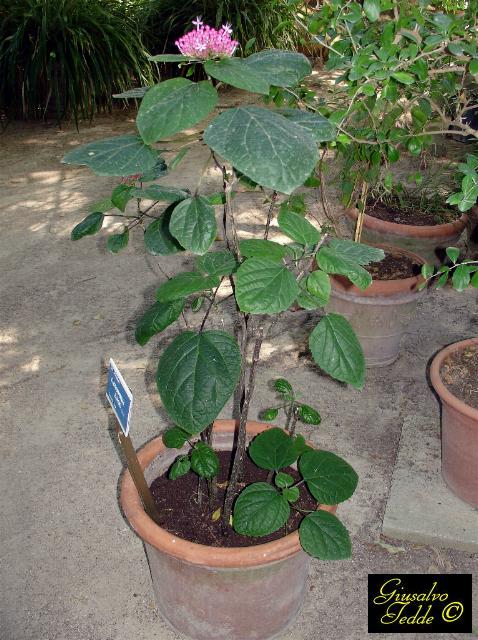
x: 453, y: 377
x: 231, y: 561
x: 407, y: 74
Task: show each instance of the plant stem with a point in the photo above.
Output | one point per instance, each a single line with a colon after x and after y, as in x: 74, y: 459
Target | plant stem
x: 239, y: 454
x: 270, y: 475
x: 269, y: 214
x: 208, y: 311
x: 295, y: 414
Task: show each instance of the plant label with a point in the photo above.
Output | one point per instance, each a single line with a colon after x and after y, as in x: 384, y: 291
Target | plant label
x: 119, y: 397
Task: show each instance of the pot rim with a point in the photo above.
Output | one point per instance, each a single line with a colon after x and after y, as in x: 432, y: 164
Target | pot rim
x: 192, y: 552
x: 435, y: 376
x: 417, y: 231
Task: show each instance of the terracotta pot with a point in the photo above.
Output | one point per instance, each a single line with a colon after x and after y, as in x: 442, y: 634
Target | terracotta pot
x: 459, y: 432
x: 381, y: 314
x: 429, y: 241
x: 207, y: 593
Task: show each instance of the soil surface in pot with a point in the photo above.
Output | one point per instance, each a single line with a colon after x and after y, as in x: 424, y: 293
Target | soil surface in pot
x: 459, y: 373
x: 182, y: 515
x: 411, y: 212
x: 393, y: 267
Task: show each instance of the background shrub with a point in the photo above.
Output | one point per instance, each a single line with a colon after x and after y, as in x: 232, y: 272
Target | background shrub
x: 66, y: 57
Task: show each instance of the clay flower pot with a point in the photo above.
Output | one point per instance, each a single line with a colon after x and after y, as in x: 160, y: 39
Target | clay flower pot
x: 381, y: 314
x: 207, y: 593
x: 459, y: 432
x: 429, y: 241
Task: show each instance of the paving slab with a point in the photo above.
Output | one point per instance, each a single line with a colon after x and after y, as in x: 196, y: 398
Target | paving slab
x: 420, y: 506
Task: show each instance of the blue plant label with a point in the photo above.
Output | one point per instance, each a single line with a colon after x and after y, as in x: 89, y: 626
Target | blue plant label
x: 119, y: 397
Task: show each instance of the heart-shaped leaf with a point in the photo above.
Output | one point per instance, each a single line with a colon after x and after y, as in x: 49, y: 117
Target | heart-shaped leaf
x: 265, y: 146
x: 197, y: 375
x: 318, y: 284
x: 259, y: 510
x: 273, y: 449
x: 118, y: 241
x: 280, y: 68
x: 217, y: 263
x: 336, y: 349
x: 174, y: 105
x: 193, y: 224
x: 158, y: 238
x: 174, y: 438
x: 89, y: 226
x: 181, y: 466
x: 118, y: 156
x: 237, y: 73
x: 298, y: 228
x: 329, y: 478
x: 204, y: 460
x: 323, y: 536
x: 184, y: 284
x: 263, y: 286
x: 156, y: 319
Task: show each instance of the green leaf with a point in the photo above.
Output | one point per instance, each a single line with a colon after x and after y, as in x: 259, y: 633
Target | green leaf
x: 372, y: 9
x: 298, y: 228
x: 181, y: 466
x: 137, y: 93
x: 263, y: 286
x: 170, y: 57
x: 306, y: 300
x: 318, y: 284
x: 308, y: 415
x: 204, y: 460
x: 118, y: 156
x: 321, y: 129
x: 121, y: 196
x: 174, y: 105
x: 282, y: 385
x: 323, y: 536
x: 118, y: 241
x: 461, y: 277
x: 161, y: 193
x: 329, y: 478
x: 197, y: 303
x: 89, y: 226
x: 174, y: 438
x: 360, y: 253
x: 333, y: 263
x: 259, y: 510
x: 256, y: 248
x: 456, y: 48
x: 283, y: 480
x: 474, y: 280
x: 473, y: 67
x: 403, y: 77
x: 238, y: 73
x: 156, y: 319
x: 265, y: 146
x: 193, y: 224
x: 280, y: 68
x: 291, y: 494
x: 157, y: 237
x: 453, y: 253
x: 300, y: 445
x: 217, y: 263
x: 183, y: 284
x: 427, y: 270
x: 269, y: 414
x: 197, y: 375
x: 336, y: 349
x: 272, y: 449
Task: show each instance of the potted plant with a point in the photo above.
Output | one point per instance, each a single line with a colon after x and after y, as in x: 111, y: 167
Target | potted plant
x: 406, y: 76
x: 247, y: 578
x: 453, y: 377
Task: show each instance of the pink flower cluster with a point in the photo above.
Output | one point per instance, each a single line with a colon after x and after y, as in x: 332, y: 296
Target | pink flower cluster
x: 205, y: 42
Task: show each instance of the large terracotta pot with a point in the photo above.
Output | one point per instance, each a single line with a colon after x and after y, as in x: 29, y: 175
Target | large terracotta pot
x: 459, y: 432
x: 207, y: 593
x: 429, y: 241
x: 381, y: 314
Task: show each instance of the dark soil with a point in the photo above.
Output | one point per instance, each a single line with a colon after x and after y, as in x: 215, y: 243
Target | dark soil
x: 182, y: 515
x: 411, y: 213
x: 459, y: 373
x: 393, y: 267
